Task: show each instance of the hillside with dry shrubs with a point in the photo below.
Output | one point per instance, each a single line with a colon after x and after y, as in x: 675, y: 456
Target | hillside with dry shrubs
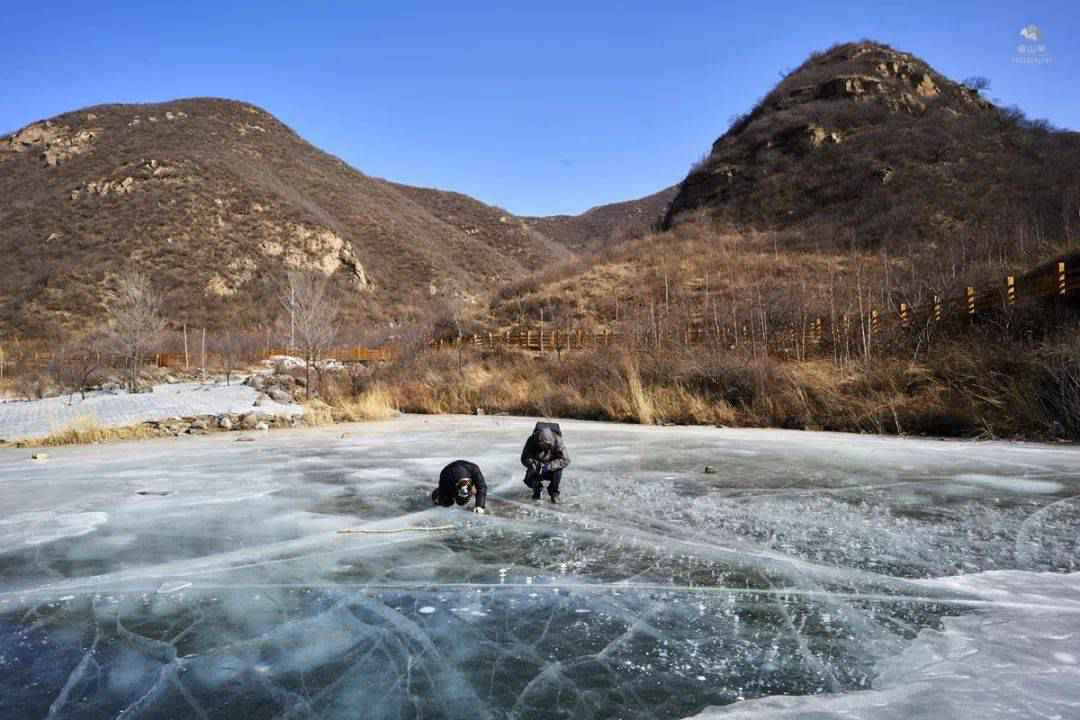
x: 216, y: 200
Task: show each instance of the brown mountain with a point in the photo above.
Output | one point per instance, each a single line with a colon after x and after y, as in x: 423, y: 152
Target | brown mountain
x: 215, y: 200
x: 867, y: 144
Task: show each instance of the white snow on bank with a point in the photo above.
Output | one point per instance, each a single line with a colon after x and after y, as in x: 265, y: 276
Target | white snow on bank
x: 38, y: 418
x: 1018, y: 657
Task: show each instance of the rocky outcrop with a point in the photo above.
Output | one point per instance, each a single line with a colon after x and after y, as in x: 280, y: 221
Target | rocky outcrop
x: 104, y: 188
x: 852, y: 87
x: 169, y: 116
x: 348, y: 259
x: 803, y: 138
x: 298, y: 247
x: 132, y: 174
x: 56, y: 143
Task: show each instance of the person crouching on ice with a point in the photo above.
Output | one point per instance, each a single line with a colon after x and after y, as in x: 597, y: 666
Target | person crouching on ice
x: 544, y: 457
x: 459, y: 482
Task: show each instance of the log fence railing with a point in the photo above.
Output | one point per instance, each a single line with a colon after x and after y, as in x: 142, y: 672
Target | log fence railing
x: 1059, y: 279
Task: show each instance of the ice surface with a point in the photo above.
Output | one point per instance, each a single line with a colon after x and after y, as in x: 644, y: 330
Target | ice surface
x: 1019, y: 658
x: 847, y: 573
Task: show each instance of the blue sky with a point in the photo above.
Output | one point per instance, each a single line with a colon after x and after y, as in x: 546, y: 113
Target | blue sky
x: 550, y: 107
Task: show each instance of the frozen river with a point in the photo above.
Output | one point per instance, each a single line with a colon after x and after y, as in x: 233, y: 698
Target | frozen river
x: 811, y: 575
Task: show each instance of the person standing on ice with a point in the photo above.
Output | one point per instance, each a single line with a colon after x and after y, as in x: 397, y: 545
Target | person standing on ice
x: 544, y: 457
x: 459, y: 482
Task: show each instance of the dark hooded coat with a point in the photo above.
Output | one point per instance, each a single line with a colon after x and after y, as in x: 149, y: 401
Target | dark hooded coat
x: 446, y: 493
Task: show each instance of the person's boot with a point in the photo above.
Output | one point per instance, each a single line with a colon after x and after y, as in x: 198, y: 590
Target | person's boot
x: 553, y: 497
x: 536, y: 490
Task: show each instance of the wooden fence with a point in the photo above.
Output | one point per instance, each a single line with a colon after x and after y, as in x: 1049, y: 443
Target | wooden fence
x: 538, y: 340
x: 1058, y: 279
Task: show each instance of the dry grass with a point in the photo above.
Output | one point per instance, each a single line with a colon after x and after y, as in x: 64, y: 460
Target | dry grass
x: 317, y: 413
x: 375, y: 403
x: 86, y: 429
x: 968, y: 388
x: 640, y: 401
x: 595, y: 386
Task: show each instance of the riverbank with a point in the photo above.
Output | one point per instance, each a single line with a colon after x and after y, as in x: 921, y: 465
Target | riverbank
x: 972, y: 391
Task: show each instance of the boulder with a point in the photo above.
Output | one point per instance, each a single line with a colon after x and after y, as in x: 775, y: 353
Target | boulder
x: 262, y: 426
x: 261, y: 400
x: 249, y: 421
x: 225, y: 423
x: 280, y: 396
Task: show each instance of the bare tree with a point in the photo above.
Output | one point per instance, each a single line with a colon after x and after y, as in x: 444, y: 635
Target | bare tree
x: 135, y: 321
x: 77, y: 365
x: 313, y: 318
x: 228, y: 345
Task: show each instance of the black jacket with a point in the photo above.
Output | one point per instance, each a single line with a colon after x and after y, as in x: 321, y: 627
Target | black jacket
x: 535, y: 454
x: 446, y: 493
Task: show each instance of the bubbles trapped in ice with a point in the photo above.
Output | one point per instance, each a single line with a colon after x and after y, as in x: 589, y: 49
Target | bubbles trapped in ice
x: 660, y: 592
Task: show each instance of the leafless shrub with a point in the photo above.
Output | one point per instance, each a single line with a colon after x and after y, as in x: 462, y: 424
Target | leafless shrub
x: 79, y: 363
x: 313, y: 319
x: 230, y: 346
x: 135, y: 321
